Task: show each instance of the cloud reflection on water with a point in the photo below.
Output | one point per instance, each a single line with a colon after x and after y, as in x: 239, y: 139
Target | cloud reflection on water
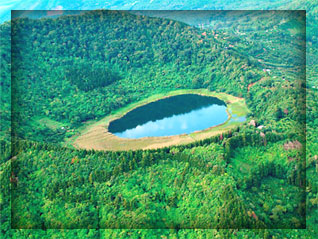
x: 194, y: 120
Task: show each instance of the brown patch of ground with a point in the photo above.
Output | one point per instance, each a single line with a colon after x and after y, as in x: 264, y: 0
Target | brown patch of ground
x: 253, y: 83
x: 98, y: 138
x: 292, y: 145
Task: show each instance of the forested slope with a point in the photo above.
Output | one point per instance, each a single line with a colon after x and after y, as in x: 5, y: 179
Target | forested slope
x: 145, y: 54
x: 232, y: 178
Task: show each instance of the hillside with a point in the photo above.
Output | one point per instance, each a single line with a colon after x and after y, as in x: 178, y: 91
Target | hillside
x: 169, y: 56
x: 245, y: 178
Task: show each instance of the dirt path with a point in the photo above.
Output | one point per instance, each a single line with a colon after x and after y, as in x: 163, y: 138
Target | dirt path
x: 253, y: 83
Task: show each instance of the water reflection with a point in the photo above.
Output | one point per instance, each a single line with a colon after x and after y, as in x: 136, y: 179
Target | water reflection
x: 183, y: 123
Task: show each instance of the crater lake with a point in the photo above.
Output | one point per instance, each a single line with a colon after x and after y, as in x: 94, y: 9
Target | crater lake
x: 175, y: 115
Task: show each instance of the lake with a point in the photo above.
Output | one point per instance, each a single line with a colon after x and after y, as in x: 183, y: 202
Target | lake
x: 181, y: 114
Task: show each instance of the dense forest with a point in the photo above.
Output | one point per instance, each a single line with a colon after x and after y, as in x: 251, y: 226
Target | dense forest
x: 72, y: 69
x: 140, y: 51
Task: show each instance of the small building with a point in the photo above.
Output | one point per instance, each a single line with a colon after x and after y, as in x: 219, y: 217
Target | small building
x: 252, y: 123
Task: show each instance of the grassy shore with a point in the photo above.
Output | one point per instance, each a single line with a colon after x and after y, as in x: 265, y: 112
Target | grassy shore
x: 95, y: 135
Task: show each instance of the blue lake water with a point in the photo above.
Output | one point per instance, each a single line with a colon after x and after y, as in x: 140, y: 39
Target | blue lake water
x: 175, y: 115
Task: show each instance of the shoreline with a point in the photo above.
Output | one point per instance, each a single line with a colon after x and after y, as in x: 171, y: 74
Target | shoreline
x: 96, y: 136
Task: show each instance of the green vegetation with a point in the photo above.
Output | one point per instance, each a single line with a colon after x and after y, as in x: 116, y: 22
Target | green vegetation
x: 147, y: 62
x: 134, y: 187
x: 251, y: 176
x: 87, y: 77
